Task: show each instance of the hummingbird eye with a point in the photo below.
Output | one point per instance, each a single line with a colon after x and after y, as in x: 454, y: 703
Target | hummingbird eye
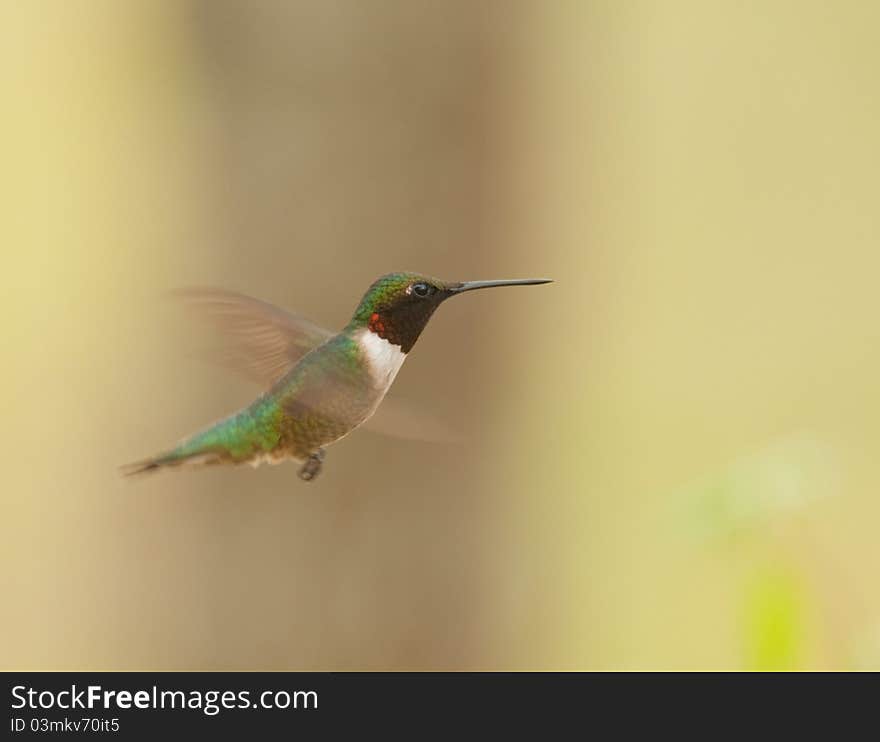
x: 421, y: 289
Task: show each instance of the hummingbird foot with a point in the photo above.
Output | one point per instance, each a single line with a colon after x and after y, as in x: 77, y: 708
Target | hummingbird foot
x: 312, y: 467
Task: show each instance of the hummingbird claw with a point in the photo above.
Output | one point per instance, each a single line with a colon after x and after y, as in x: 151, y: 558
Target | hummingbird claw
x: 312, y: 467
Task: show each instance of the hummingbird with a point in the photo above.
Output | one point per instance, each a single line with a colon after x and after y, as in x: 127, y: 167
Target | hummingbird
x: 322, y: 385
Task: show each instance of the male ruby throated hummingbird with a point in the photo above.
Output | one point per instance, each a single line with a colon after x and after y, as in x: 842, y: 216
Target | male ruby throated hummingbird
x: 323, y: 386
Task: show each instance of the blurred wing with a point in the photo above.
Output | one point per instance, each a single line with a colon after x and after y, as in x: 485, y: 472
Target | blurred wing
x: 398, y: 419
x: 263, y: 342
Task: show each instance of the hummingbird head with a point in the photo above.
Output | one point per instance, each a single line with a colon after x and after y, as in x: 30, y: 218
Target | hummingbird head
x: 397, y: 306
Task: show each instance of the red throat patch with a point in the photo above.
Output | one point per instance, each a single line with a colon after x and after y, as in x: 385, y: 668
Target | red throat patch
x: 377, y: 325
x: 402, y: 325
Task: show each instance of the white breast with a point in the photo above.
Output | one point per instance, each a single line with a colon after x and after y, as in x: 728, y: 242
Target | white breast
x: 383, y: 358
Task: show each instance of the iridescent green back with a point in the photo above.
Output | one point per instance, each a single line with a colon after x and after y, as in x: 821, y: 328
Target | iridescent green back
x: 325, y: 397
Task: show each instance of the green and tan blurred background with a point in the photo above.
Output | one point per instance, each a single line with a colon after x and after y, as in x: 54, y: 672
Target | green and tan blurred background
x: 671, y: 454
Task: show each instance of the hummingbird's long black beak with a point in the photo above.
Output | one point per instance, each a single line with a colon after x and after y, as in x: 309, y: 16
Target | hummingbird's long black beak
x: 458, y: 288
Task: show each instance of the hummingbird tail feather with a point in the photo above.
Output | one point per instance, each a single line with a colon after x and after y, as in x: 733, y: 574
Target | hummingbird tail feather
x: 140, y: 467
x: 241, y: 438
x: 174, y: 459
